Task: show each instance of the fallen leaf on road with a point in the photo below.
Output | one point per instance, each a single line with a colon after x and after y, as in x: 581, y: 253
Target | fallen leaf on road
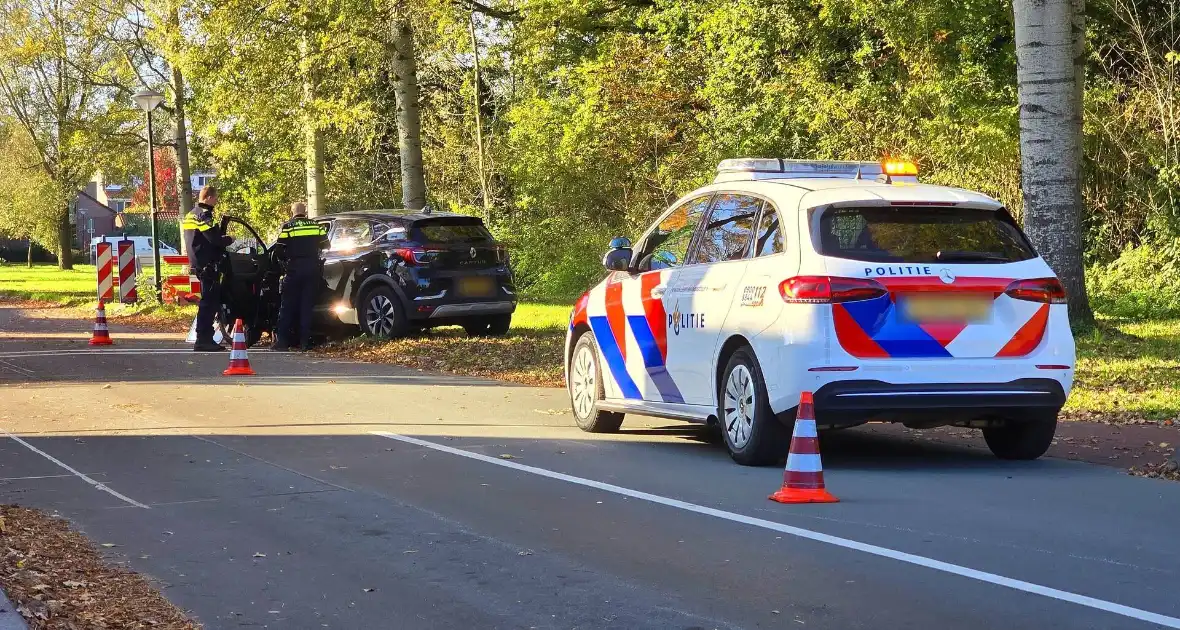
x: 259, y: 555
x: 109, y: 545
x: 370, y: 590
x: 526, y: 552
x: 73, y: 584
x: 107, y: 386
x: 1164, y: 445
x: 507, y: 456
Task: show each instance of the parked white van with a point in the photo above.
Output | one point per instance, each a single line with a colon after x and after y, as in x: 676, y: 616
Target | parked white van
x: 143, y: 249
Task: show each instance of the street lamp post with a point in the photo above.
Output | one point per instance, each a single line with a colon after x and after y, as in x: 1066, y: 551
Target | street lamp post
x: 148, y: 100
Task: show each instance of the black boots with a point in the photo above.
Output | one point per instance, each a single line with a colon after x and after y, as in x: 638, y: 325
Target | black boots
x: 207, y: 345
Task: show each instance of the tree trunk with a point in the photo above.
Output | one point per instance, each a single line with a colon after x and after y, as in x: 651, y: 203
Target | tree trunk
x: 1051, y: 140
x: 65, y: 242
x: 313, y: 136
x: 184, y: 181
x: 478, y: 81
x: 29, y: 262
x: 409, y: 123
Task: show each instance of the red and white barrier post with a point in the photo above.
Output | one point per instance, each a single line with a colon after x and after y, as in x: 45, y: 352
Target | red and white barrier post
x: 104, y: 261
x: 128, y: 266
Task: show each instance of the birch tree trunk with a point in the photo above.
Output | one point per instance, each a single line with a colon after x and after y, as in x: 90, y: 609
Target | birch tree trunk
x: 409, y: 122
x: 313, y: 136
x: 1049, y: 71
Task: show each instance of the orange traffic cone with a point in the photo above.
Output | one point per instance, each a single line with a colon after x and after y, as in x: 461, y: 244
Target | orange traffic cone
x: 101, y: 336
x: 239, y: 363
x: 803, y: 480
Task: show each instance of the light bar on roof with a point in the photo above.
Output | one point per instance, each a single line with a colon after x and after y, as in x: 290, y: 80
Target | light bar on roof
x: 772, y: 168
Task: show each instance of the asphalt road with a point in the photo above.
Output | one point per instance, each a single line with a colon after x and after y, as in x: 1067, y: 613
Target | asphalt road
x: 337, y: 495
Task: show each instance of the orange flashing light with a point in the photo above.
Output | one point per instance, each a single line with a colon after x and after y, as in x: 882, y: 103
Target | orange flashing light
x: 899, y: 168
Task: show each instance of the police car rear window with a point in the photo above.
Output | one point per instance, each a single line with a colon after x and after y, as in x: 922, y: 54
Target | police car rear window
x: 461, y: 231
x: 921, y: 235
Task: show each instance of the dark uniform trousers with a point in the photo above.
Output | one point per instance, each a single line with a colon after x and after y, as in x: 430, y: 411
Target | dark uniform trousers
x: 299, y: 293
x: 303, y: 240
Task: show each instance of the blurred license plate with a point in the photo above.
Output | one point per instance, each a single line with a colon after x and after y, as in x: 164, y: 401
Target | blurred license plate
x: 944, y: 308
x: 476, y: 287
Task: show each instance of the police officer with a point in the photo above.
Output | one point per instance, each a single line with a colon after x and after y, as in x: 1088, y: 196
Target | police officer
x: 205, y: 244
x: 302, y: 240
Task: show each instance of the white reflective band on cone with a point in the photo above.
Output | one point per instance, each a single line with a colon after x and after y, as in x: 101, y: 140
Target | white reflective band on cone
x: 803, y: 463
x: 805, y: 428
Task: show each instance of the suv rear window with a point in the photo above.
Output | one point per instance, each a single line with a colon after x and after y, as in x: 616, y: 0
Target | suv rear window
x: 453, y: 231
x: 921, y: 235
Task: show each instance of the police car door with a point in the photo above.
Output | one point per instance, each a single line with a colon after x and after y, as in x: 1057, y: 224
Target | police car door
x: 643, y: 298
x: 702, y: 293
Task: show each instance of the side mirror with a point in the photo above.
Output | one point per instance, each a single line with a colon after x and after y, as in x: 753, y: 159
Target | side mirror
x: 618, y: 258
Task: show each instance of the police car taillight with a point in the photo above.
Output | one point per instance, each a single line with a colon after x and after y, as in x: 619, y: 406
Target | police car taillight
x: 1045, y: 290
x: 829, y: 289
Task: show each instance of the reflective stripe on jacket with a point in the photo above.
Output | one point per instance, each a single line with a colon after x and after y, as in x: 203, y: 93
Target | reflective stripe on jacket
x: 304, y: 238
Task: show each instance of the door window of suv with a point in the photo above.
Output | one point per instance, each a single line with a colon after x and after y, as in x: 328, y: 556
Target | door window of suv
x: 667, y: 246
x: 350, y: 234
x: 727, y: 234
x: 770, y: 236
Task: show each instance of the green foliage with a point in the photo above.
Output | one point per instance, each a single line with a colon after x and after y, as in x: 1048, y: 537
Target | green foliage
x: 1142, y: 283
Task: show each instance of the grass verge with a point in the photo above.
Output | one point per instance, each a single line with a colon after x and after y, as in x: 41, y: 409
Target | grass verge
x: 46, y: 285
x: 58, y: 580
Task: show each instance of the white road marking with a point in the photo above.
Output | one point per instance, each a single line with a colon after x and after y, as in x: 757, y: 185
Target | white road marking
x: 884, y: 552
x: 98, y: 485
x: 17, y: 354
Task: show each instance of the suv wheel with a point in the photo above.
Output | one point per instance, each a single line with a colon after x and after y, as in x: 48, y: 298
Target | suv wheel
x: 586, y: 389
x: 1026, y: 436
x: 382, y: 315
x: 489, y: 326
x: 752, y: 434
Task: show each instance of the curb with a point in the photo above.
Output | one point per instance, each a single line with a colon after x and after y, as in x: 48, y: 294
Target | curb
x: 9, y: 618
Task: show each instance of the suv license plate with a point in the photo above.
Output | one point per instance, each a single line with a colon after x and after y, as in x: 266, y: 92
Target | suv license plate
x: 947, y: 309
x: 476, y: 287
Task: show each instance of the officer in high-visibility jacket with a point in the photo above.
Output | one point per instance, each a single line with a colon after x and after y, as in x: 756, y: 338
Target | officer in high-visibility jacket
x: 205, y: 243
x: 302, y: 242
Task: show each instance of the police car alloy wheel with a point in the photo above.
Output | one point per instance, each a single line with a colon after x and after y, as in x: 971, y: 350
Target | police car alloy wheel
x: 586, y: 389
x: 738, y: 405
x: 752, y: 433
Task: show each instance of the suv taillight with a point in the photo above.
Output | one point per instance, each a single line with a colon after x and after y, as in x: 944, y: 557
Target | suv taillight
x: 1045, y: 290
x: 829, y: 290
x: 415, y: 256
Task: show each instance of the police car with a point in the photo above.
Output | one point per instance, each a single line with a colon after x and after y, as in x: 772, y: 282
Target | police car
x: 890, y: 300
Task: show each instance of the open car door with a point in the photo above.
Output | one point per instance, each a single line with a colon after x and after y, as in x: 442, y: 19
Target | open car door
x: 250, y: 282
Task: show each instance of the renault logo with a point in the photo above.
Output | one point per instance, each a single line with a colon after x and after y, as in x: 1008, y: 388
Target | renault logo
x: 473, y: 252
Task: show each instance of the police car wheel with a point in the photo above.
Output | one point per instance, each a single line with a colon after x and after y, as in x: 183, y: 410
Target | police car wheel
x: 752, y: 433
x: 586, y: 389
x: 382, y: 315
x: 1025, y: 436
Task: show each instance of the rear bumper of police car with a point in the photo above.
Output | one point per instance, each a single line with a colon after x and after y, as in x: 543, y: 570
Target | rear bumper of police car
x: 927, y: 392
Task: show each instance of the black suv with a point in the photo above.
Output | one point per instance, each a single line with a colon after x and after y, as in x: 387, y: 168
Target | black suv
x: 387, y: 272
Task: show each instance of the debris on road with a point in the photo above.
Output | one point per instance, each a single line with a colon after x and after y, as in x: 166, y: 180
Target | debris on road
x: 57, y: 580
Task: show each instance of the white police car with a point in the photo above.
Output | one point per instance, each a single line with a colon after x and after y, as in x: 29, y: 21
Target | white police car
x: 890, y: 300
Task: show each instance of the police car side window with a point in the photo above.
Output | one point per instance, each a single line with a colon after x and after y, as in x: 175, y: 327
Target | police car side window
x: 727, y: 235
x: 770, y: 236
x: 667, y: 246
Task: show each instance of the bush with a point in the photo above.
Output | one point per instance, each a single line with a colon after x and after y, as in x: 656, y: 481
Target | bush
x: 1143, y: 283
